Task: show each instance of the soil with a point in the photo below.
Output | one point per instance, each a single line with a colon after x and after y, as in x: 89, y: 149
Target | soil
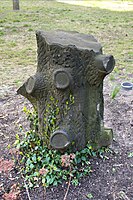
x: 111, y: 179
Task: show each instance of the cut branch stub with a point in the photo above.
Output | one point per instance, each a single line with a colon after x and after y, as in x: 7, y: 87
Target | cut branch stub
x: 59, y: 140
x: 105, y: 63
x: 62, y: 79
x: 35, y: 85
x: 70, y: 64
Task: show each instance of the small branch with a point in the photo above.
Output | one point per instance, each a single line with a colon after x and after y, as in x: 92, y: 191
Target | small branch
x: 26, y: 187
x: 67, y: 188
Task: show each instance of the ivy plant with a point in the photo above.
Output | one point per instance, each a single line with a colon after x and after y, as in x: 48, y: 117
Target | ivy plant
x: 39, y: 163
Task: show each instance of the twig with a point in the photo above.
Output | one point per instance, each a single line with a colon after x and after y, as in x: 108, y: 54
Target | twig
x: 26, y: 187
x: 67, y: 188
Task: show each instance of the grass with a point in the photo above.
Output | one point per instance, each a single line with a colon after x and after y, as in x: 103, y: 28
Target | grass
x: 119, y: 5
x: 113, y: 29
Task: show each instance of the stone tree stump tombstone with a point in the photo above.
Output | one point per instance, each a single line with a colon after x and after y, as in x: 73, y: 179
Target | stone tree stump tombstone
x: 67, y: 89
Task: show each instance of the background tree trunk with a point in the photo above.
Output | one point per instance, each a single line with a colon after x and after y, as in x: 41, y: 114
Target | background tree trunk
x: 16, y: 5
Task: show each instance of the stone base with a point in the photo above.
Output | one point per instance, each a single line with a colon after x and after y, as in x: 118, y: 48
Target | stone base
x: 106, y: 137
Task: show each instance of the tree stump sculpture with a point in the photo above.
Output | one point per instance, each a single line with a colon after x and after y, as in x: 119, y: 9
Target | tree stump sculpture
x: 67, y: 89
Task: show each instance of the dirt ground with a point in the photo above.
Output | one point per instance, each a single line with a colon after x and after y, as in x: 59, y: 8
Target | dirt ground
x: 111, y: 179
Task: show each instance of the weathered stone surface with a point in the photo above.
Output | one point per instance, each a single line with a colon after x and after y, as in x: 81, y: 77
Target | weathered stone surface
x: 71, y: 69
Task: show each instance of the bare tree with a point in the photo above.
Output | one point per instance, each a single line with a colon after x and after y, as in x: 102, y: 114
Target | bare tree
x: 15, y: 4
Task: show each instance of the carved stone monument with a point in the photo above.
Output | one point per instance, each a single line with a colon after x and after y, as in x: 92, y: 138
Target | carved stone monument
x: 68, y: 85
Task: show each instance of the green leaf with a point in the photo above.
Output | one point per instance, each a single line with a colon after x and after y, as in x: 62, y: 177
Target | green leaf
x: 18, y: 146
x: 34, y: 158
x: 43, y: 180
x: 17, y: 137
x: 31, y: 166
x: 86, y: 171
x: 78, y: 160
x: 36, y: 148
x: 83, y: 158
x: 50, y: 180
x: 115, y: 91
x: 75, y: 182
x: 39, y: 158
x: 64, y: 177
x: 93, y: 154
x: 30, y: 185
x: 55, y: 183
x: 47, y: 159
x: 84, y: 151
x: 130, y: 155
x: 89, y: 196
x: 28, y: 162
x: 36, y: 174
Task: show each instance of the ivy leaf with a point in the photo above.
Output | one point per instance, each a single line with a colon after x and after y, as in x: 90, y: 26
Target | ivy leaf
x: 93, y: 154
x: 130, y: 155
x: 36, y: 174
x: 17, y: 137
x: 39, y: 158
x: 78, y: 160
x: 55, y: 183
x: 83, y: 158
x: 28, y: 162
x: 43, y: 180
x: 31, y: 166
x: 75, y: 182
x: 34, y: 158
x: 30, y: 185
x: 89, y: 196
x: 47, y: 159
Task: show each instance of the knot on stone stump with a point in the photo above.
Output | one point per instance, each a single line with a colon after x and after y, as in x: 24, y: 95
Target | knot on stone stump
x: 71, y: 68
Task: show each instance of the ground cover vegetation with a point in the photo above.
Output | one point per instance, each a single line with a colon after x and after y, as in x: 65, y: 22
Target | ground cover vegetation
x: 113, y: 29
x: 37, y: 161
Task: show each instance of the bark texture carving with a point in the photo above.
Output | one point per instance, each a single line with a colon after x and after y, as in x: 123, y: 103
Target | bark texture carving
x: 70, y: 65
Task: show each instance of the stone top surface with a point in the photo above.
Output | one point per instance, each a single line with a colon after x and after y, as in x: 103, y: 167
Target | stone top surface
x: 79, y: 40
